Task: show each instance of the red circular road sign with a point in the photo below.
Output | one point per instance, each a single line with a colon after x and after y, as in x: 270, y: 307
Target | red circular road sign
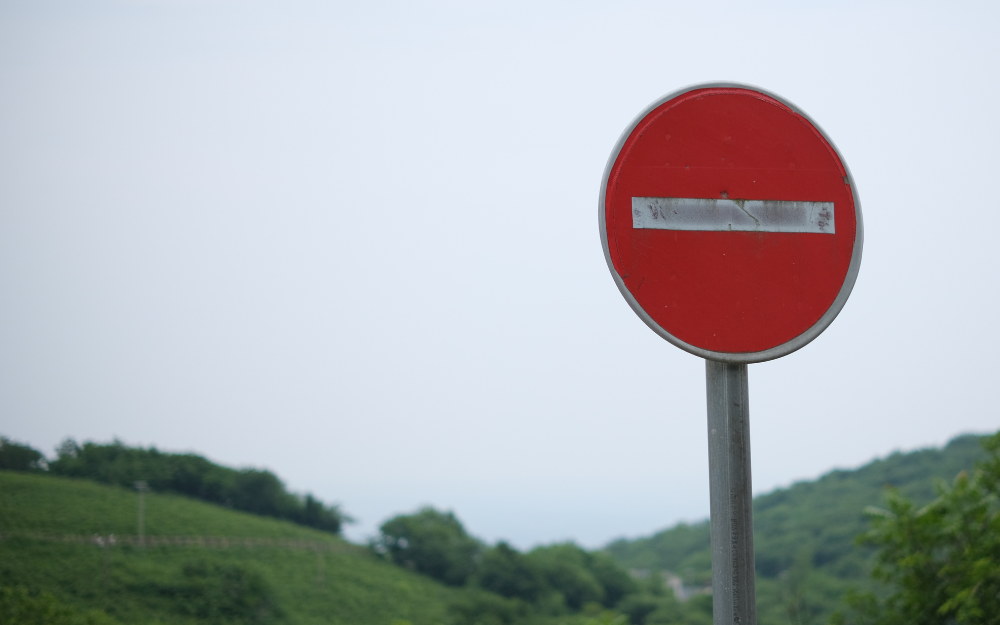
x: 730, y: 223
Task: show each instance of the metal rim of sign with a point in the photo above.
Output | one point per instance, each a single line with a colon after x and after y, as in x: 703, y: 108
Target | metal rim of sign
x: 788, y: 347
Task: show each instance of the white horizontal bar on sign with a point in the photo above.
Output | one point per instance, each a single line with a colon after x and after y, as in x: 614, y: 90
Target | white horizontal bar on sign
x: 679, y: 213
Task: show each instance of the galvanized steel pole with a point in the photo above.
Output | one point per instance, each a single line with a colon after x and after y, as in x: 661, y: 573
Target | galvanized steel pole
x: 733, y: 598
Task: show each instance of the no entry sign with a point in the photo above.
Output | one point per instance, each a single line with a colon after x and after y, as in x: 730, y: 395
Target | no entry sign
x: 730, y: 223
x: 732, y: 226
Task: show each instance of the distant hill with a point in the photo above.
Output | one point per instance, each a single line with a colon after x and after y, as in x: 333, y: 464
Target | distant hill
x: 804, y: 535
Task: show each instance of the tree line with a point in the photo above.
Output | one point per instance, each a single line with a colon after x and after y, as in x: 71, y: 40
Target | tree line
x: 503, y: 586
x: 249, y: 490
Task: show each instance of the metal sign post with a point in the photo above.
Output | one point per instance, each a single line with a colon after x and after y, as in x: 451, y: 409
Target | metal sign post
x: 730, y: 493
x: 732, y: 227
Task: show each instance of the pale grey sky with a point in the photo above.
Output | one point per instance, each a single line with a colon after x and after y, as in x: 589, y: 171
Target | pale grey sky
x: 357, y: 244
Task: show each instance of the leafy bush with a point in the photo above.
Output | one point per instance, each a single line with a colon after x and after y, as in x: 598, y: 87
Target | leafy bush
x: 477, y: 607
x: 433, y: 543
x: 942, y: 561
x: 225, y: 594
x: 19, y: 607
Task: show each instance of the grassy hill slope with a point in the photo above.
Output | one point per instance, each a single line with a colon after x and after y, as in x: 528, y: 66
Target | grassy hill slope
x: 804, y: 534
x: 175, y: 584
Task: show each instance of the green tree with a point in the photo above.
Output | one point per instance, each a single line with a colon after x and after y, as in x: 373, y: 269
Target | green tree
x: 507, y: 572
x: 797, y: 590
x: 614, y: 579
x: 565, y: 569
x: 941, y: 561
x: 655, y: 604
x: 653, y: 596
x: 17, y: 457
x: 433, y: 543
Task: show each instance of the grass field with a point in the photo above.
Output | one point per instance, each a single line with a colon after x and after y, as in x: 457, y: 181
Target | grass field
x: 194, y: 584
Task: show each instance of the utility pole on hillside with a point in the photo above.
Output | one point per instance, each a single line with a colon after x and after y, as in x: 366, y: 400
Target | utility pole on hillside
x: 142, y: 487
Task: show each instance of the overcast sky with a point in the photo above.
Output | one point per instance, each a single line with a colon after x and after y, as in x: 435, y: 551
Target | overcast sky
x: 357, y: 244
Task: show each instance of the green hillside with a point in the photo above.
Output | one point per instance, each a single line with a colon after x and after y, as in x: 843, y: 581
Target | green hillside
x: 202, y: 563
x: 804, y: 535
x: 223, y: 545
x: 207, y: 563
x: 331, y: 582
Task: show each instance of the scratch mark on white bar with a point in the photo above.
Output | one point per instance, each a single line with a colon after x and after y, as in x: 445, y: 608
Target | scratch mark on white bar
x: 678, y: 213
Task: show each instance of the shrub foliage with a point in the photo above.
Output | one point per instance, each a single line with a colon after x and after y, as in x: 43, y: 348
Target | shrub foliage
x: 941, y: 561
